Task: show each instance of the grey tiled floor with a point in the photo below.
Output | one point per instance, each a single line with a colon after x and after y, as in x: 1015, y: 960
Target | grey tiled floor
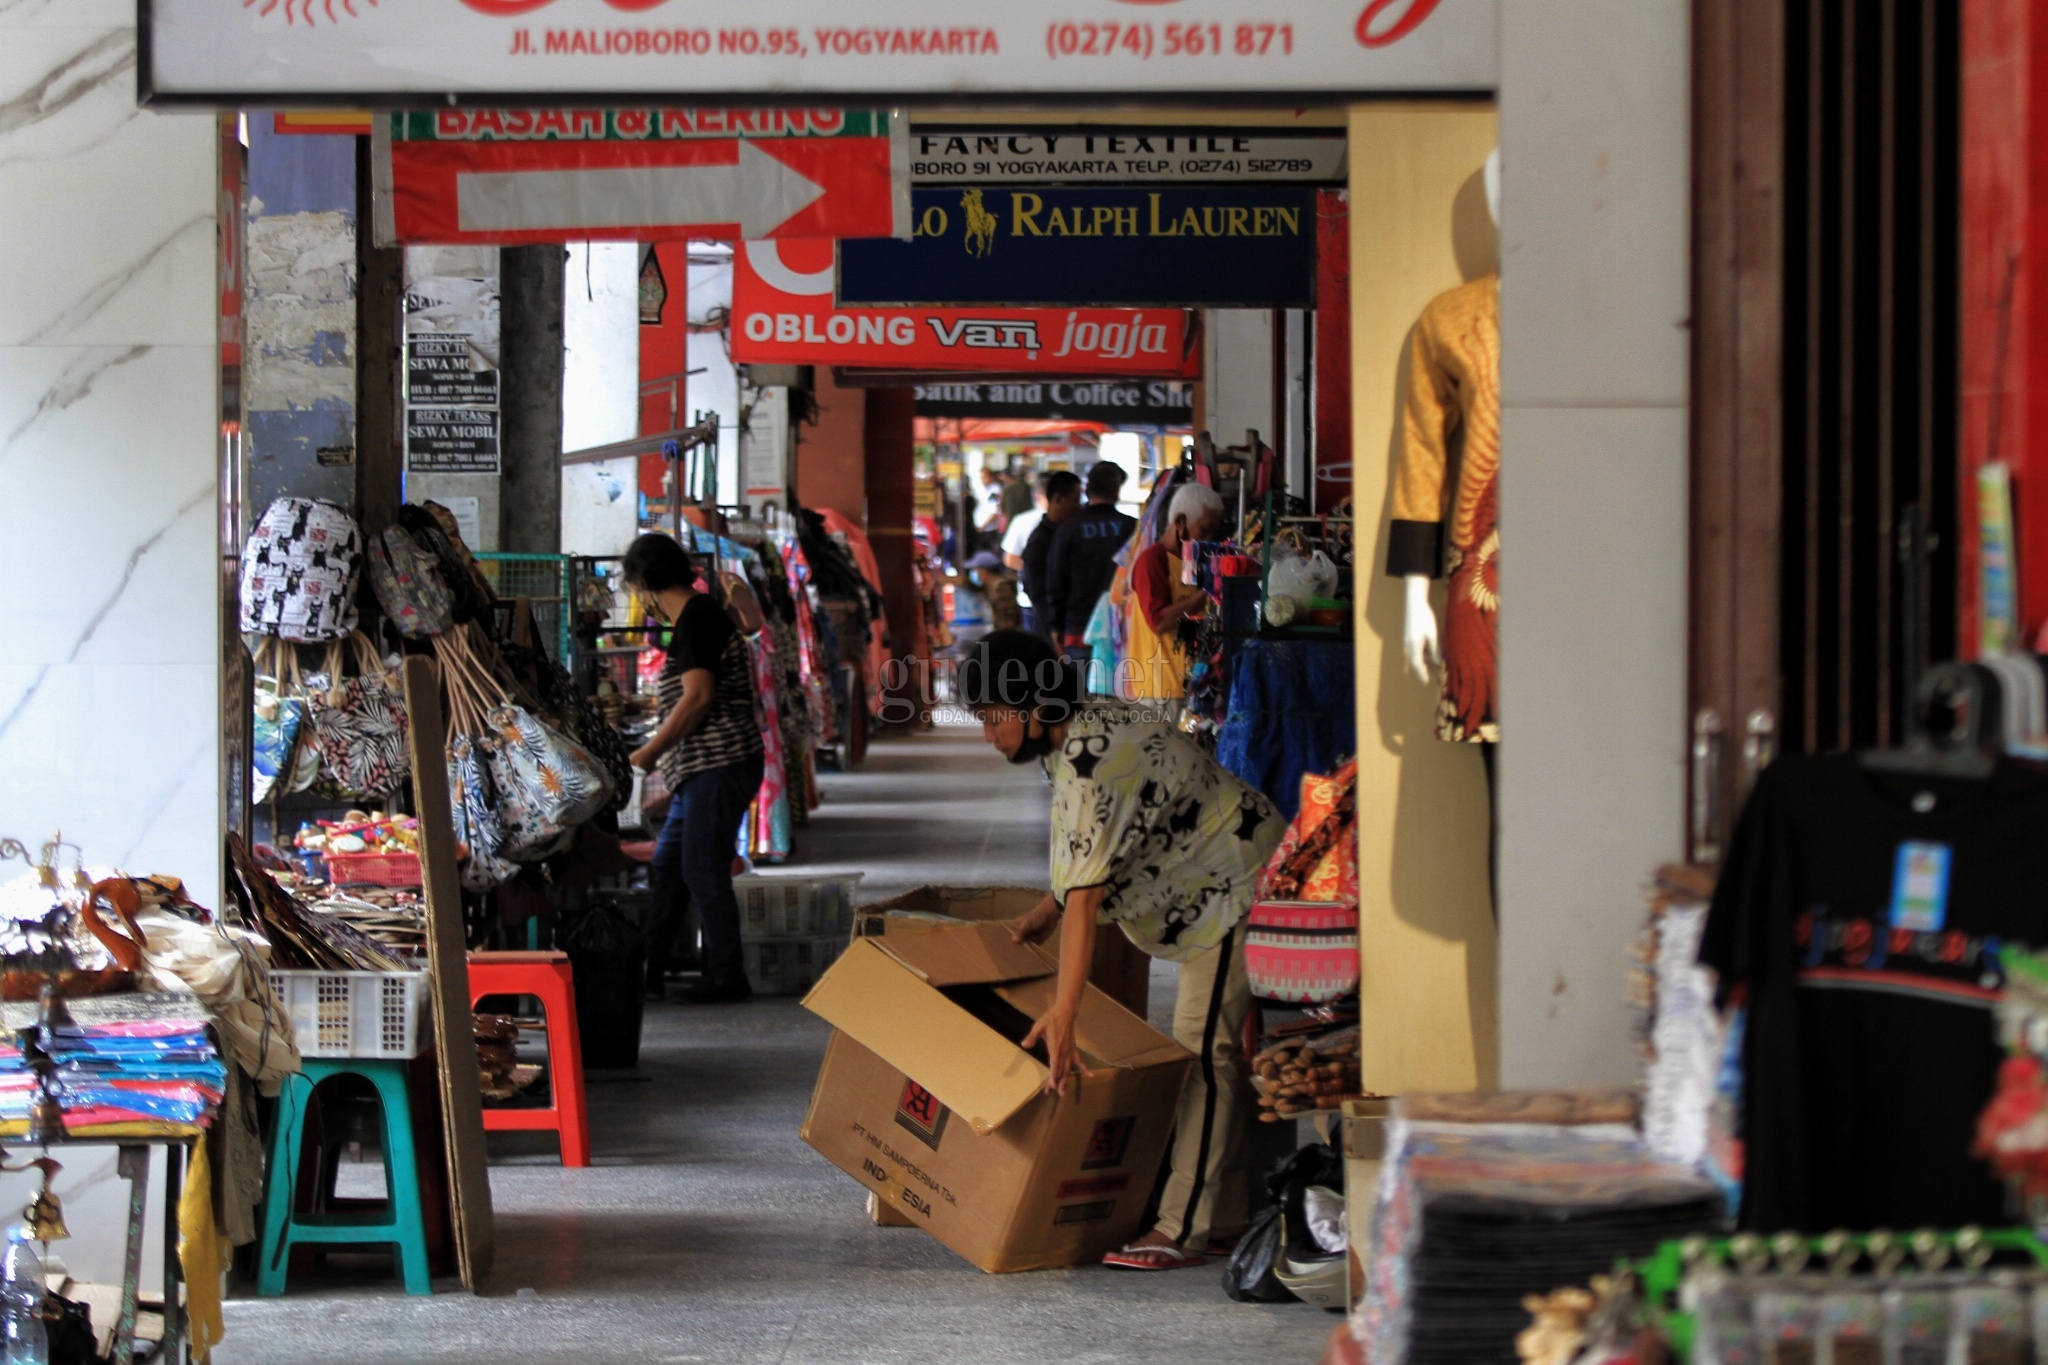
x: 706, y: 1232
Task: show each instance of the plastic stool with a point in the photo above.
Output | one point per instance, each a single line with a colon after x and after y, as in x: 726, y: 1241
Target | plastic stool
x: 546, y: 976
x: 400, y: 1222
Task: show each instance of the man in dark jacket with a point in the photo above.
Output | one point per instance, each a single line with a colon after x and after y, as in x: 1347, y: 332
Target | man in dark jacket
x: 1062, y: 502
x: 1082, y: 562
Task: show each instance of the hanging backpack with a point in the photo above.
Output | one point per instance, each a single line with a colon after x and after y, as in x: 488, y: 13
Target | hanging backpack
x: 433, y: 529
x: 359, y: 727
x: 408, y: 584
x: 299, y: 572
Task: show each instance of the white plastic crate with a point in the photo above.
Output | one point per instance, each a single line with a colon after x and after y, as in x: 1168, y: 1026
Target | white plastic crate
x: 795, y: 906
x: 788, y: 966
x: 355, y: 1014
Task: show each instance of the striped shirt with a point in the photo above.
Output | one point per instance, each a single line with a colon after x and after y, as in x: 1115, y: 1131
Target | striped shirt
x: 730, y: 731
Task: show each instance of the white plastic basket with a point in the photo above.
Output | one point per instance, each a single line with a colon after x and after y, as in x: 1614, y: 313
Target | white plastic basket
x: 795, y: 906
x: 788, y: 966
x: 355, y: 1014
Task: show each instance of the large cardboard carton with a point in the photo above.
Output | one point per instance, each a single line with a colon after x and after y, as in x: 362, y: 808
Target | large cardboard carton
x: 926, y: 1098
x: 1121, y: 969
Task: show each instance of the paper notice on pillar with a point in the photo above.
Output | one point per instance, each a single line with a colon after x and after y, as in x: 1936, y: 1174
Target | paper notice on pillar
x: 783, y: 314
x: 451, y: 440
x: 510, y: 176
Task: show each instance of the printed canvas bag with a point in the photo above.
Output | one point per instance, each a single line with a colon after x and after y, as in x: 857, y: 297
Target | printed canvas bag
x: 545, y: 782
x: 359, y: 726
x: 277, y: 723
x: 299, y: 572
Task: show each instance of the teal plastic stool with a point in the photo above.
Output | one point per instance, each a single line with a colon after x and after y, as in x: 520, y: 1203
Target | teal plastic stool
x: 400, y: 1222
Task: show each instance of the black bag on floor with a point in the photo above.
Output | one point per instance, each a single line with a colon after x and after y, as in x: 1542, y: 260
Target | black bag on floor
x: 1248, y: 1276
x: 608, y: 958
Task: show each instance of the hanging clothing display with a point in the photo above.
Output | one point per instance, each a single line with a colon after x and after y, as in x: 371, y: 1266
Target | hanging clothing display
x: 1860, y: 913
x: 1446, y: 504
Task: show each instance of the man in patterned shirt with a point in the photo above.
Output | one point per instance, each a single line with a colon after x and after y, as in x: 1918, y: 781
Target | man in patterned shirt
x: 1152, y: 835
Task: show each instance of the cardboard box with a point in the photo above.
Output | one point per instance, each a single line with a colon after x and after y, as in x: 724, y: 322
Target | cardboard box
x: 1121, y: 970
x: 927, y: 1100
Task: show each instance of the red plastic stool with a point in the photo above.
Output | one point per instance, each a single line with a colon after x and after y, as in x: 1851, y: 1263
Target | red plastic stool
x: 544, y: 975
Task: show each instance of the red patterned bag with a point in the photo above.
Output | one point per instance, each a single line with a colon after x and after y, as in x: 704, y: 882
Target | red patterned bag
x: 1301, y: 939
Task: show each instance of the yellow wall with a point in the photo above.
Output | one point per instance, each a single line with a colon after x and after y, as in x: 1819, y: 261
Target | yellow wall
x: 1426, y: 937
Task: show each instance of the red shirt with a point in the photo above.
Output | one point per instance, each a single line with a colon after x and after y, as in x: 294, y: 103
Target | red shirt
x: 1152, y: 580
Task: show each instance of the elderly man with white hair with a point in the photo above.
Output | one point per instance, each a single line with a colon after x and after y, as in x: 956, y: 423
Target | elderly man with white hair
x: 1167, y: 607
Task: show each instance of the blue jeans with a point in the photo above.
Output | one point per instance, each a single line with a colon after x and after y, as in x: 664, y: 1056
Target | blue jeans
x: 693, y: 865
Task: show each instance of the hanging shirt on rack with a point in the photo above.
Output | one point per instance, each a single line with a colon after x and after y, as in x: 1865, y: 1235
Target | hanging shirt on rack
x: 1862, y: 912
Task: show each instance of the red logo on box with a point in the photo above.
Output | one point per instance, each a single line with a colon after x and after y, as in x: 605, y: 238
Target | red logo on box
x: 920, y: 1112
x: 1108, y: 1143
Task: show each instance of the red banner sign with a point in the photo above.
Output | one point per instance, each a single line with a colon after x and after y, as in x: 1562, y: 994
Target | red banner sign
x: 783, y: 314
x: 502, y: 177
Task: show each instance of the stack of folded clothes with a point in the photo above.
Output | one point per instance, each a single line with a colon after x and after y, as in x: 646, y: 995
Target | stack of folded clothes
x: 162, y: 1071
x: 1474, y: 1217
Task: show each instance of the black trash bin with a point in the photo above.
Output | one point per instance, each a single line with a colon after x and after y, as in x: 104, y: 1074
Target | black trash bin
x: 608, y: 956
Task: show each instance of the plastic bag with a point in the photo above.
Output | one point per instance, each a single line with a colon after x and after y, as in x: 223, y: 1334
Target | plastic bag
x: 1302, y: 577
x: 1248, y: 1275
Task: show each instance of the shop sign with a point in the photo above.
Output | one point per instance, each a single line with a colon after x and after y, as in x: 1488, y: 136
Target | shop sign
x: 451, y: 440
x: 437, y: 372
x: 276, y: 51
x: 1116, y: 402
x: 783, y: 314
x: 1227, y: 247
x: 451, y: 375
x: 501, y: 177
x: 971, y: 155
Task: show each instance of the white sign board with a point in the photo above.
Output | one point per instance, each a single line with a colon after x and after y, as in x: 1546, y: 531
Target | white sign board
x: 275, y: 50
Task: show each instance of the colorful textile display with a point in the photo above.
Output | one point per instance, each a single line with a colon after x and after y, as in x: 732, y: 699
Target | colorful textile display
x: 131, y: 1071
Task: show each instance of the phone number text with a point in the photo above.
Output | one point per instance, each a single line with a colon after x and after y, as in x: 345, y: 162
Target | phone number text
x: 1144, y: 40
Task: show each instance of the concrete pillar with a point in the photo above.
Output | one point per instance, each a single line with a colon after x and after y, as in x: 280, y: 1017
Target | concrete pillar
x: 530, y: 482
x: 831, y: 460
x: 1595, y: 267
x: 380, y: 372
x: 891, y: 487
x: 299, y: 312
x: 110, y: 380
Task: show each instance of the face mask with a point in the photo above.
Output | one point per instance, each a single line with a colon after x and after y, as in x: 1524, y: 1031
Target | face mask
x: 1032, y: 747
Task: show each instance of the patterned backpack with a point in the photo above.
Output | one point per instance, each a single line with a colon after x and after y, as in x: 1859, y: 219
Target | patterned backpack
x: 299, y: 572
x: 408, y: 584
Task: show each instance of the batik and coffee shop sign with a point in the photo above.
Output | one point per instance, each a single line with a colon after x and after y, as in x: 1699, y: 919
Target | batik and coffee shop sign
x: 228, y: 51
x: 1116, y: 402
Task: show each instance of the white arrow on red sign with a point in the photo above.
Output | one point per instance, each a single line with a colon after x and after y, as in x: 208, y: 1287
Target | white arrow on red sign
x: 614, y: 175
x: 757, y: 191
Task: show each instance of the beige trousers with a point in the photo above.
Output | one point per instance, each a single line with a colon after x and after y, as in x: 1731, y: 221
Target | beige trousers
x: 1207, y: 1188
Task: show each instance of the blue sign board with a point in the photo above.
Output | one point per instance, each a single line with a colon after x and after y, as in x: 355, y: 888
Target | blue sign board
x: 1134, y: 247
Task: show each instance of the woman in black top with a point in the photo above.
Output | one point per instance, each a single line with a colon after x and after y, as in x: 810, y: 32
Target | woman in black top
x: 710, y: 751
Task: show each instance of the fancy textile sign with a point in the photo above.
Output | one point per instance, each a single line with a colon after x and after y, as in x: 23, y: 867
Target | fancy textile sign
x: 783, y: 314
x: 1206, y: 247
x: 225, y: 51
x: 503, y: 177
x: 970, y: 154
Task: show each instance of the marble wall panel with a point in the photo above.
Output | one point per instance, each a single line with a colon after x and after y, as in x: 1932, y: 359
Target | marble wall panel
x: 109, y: 685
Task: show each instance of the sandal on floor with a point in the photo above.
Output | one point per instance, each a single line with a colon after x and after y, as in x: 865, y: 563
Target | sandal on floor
x: 1154, y: 1258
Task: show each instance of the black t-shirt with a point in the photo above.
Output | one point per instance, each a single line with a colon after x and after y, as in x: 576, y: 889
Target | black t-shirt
x: 1861, y: 912
x: 698, y: 638
x: 1037, y: 546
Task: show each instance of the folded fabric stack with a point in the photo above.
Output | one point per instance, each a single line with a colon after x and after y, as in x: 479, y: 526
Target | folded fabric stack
x: 1471, y: 1218
x: 164, y: 1071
